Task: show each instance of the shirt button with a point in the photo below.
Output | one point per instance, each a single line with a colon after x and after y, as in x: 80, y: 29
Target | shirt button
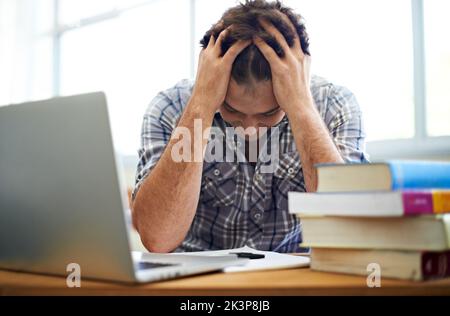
x: 257, y: 216
x: 216, y: 172
x: 291, y: 170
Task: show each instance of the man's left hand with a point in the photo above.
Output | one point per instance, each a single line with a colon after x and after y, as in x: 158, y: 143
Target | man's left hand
x: 290, y: 74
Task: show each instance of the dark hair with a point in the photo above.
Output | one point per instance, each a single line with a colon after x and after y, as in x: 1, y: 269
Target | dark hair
x: 250, y: 65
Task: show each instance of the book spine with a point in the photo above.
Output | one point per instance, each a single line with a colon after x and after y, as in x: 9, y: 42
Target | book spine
x: 435, y: 265
x: 426, y: 202
x: 417, y: 202
x: 419, y: 175
x: 441, y: 202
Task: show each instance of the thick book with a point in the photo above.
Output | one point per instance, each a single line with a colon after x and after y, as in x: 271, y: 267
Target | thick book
x: 427, y: 232
x: 385, y: 176
x: 408, y: 265
x: 376, y: 203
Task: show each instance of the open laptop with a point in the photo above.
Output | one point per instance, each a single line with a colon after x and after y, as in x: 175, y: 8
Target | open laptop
x: 62, y: 200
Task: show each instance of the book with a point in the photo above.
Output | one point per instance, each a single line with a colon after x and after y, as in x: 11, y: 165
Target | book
x: 376, y: 203
x: 386, y: 176
x: 408, y: 265
x: 427, y: 232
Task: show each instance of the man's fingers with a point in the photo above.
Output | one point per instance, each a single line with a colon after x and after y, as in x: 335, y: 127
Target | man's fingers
x: 272, y: 30
x: 235, y: 50
x: 211, y: 41
x: 291, y: 26
x: 218, y: 43
x: 266, y: 50
x: 297, y: 44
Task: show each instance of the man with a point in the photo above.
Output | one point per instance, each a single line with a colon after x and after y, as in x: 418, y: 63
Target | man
x: 253, y: 71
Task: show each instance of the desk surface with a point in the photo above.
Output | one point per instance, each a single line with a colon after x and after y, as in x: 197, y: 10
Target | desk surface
x: 301, y: 281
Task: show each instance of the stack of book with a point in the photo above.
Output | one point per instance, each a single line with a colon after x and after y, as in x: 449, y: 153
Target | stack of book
x: 392, y: 214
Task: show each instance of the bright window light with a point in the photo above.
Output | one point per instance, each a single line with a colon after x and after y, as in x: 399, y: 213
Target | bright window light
x: 367, y: 47
x: 132, y: 49
x: 437, y: 52
x: 131, y: 58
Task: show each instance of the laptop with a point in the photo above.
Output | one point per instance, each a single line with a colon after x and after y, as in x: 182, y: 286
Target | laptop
x: 62, y: 199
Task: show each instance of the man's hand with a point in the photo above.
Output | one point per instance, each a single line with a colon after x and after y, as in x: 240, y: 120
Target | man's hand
x: 214, y: 71
x: 153, y: 216
x: 290, y: 74
x: 291, y: 87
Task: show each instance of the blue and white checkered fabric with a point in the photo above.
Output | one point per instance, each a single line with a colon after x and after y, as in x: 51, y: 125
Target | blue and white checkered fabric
x: 239, y: 205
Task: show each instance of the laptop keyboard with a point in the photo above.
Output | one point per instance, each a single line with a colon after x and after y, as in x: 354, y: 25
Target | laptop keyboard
x: 145, y: 265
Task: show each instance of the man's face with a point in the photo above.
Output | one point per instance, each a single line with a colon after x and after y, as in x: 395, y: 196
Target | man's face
x: 253, y: 106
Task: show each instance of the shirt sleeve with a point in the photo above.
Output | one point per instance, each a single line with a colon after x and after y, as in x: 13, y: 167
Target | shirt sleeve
x: 158, y: 123
x: 346, y: 125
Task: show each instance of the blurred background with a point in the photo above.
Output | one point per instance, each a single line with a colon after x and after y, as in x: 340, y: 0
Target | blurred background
x: 394, y: 55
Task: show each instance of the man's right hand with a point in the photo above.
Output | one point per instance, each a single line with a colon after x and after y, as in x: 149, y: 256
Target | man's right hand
x: 214, y: 71
x: 153, y: 216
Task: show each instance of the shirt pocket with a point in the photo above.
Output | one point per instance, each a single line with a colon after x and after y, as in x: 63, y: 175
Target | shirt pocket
x: 288, y: 176
x: 219, y: 184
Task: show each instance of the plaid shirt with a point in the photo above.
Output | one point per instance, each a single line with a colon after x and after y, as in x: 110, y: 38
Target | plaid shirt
x: 239, y: 205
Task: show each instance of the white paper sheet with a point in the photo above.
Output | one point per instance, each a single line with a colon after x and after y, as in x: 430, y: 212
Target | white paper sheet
x: 271, y: 261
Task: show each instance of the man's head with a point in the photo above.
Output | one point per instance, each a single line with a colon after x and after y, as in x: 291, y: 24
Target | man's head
x: 250, y: 100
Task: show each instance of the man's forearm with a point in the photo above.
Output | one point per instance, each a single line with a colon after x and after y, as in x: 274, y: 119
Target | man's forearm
x: 312, y: 139
x: 166, y: 203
